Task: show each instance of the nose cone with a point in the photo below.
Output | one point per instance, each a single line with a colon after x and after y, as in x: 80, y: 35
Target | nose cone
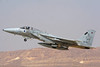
x: 6, y: 30
x: 11, y: 30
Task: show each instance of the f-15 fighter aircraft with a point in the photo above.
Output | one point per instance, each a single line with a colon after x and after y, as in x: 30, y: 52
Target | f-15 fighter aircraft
x: 51, y: 41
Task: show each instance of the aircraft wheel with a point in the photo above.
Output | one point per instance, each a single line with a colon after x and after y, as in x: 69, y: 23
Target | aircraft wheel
x: 87, y: 48
x: 67, y: 49
x: 25, y: 39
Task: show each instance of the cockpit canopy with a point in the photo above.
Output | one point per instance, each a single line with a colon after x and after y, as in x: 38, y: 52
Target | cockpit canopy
x: 26, y: 27
x: 30, y: 28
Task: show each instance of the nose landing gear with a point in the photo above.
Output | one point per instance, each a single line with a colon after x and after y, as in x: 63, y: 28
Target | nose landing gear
x: 25, y: 39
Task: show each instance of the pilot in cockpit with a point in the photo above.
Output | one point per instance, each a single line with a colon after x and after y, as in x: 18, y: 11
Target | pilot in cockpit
x: 26, y: 27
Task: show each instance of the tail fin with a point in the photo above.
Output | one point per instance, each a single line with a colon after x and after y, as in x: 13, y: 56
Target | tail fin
x: 87, y: 38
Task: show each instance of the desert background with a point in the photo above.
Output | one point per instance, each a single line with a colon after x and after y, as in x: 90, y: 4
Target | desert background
x: 47, y: 57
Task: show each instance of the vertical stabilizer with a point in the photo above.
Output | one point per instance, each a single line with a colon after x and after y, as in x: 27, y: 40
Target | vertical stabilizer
x: 87, y: 38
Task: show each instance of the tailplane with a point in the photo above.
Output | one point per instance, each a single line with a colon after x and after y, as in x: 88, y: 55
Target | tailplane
x: 87, y: 38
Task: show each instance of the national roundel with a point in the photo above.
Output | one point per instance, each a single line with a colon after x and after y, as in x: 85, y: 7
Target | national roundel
x: 24, y: 30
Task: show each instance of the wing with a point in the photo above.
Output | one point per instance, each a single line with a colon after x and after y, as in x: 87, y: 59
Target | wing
x: 60, y: 40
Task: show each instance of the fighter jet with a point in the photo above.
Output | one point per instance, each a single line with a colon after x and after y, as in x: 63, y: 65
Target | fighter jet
x: 51, y: 41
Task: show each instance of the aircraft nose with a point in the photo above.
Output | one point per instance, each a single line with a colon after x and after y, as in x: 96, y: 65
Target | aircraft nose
x: 5, y: 30
x: 11, y: 30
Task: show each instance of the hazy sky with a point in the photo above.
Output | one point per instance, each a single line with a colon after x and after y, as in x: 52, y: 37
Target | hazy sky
x: 64, y: 18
